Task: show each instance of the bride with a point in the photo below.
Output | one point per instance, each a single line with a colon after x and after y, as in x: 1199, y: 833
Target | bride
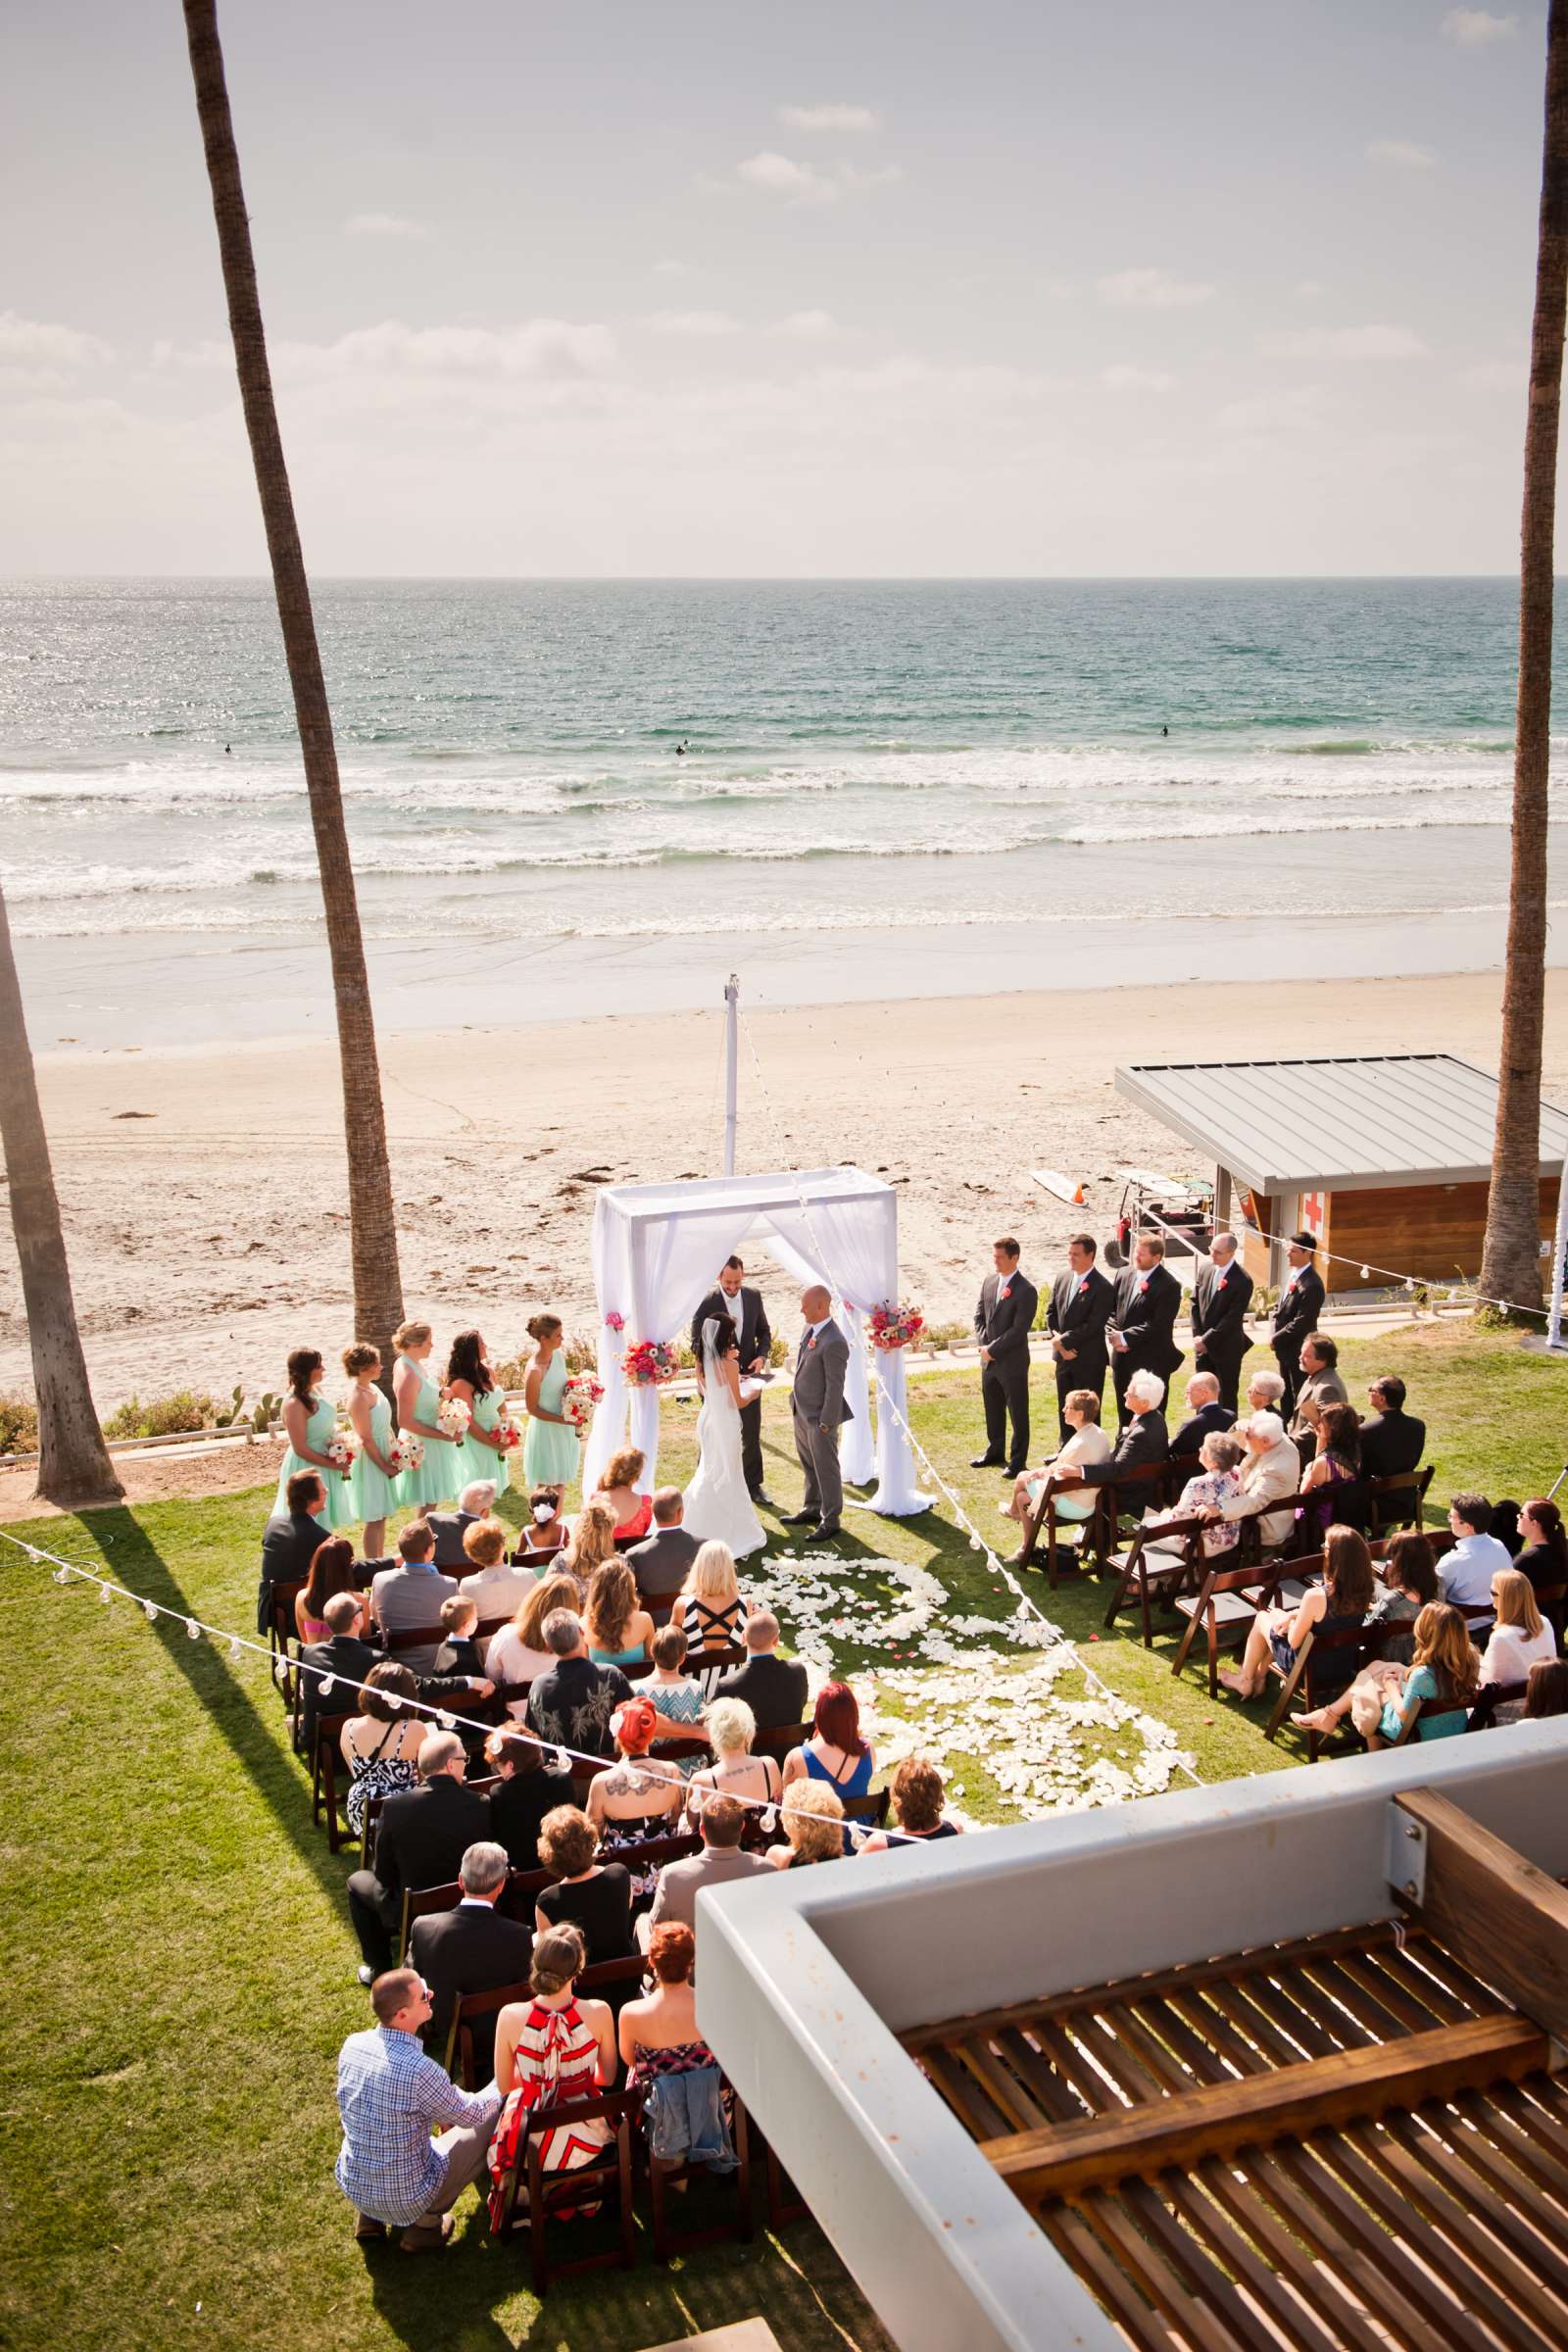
x: 718, y: 1509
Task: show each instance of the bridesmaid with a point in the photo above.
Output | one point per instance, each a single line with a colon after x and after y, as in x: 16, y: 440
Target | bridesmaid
x: 550, y: 1450
x: 309, y: 1421
x: 419, y: 1400
x: 470, y: 1378
x: 372, y: 1481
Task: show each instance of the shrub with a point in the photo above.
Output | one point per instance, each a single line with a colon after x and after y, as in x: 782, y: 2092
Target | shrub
x: 160, y: 1416
x: 19, y: 1425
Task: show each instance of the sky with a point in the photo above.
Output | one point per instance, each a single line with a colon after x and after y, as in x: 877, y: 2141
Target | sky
x: 843, y: 287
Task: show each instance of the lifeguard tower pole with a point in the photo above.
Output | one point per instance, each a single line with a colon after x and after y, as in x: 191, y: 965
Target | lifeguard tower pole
x: 732, y: 1057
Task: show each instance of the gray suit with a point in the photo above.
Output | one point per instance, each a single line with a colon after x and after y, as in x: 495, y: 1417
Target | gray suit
x: 819, y: 1413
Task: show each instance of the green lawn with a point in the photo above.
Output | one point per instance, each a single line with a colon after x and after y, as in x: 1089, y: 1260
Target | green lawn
x: 182, y: 1968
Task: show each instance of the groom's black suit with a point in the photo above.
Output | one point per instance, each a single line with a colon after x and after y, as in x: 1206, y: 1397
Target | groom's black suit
x: 749, y: 1318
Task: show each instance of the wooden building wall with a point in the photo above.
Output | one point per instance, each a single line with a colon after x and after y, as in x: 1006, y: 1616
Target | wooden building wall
x: 1433, y: 1231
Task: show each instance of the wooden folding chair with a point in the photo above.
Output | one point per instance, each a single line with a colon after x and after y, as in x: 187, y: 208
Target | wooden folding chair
x: 458, y: 2057
x: 664, y: 2180
x: 1224, y: 1605
x: 540, y: 1558
x: 1488, y: 1699
x: 414, y: 1637
x: 1428, y: 1708
x: 1165, y: 1558
x: 284, y: 1639
x: 1396, y: 1501
x: 323, y: 1779
x: 1129, y: 1497
x: 1321, y: 1671
x: 420, y: 1902
x: 609, y: 2175
x: 781, y: 1738
x: 870, y: 1810
x: 1045, y: 1525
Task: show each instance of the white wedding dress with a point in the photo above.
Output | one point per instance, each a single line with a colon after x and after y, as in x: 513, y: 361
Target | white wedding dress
x: 718, y: 1510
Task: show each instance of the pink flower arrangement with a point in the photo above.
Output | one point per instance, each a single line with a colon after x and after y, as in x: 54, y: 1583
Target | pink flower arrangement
x: 581, y: 1394
x: 615, y: 1321
x: 895, y: 1326
x: 410, y: 1452
x: 649, y: 1363
x: 508, y: 1435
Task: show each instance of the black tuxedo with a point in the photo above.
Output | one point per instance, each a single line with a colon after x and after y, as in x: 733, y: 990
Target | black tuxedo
x: 1220, y: 1300
x: 1146, y: 1316
x: 449, y: 1528
x: 350, y: 1659
x: 1145, y: 1438
x: 1002, y: 1322
x: 290, y: 1543
x: 1189, y: 1438
x: 773, y: 1688
x: 474, y: 1948
x: 1392, y: 1442
x: 1296, y: 1319
x: 749, y: 1318
x: 517, y: 1807
x: 1079, y: 1311
x: 424, y: 1834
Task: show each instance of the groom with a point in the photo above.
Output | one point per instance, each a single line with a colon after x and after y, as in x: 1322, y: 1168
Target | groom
x: 735, y: 1297
x: 820, y: 1364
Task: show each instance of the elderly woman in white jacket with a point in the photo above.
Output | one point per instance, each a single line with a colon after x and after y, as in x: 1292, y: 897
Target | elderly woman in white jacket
x: 1087, y: 1445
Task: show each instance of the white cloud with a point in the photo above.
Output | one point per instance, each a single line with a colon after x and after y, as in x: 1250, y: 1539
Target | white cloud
x: 1122, y: 378
x: 803, y: 183
x: 549, y: 348
x: 806, y: 327
x: 1151, y: 290
x: 828, y: 118
x: 1374, y: 342
x: 1476, y: 28
x: 35, y: 342
x: 1404, y: 153
x: 384, y: 224
x: 692, y: 323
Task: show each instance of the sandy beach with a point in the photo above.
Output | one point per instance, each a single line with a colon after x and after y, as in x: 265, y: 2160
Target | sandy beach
x: 203, y: 1198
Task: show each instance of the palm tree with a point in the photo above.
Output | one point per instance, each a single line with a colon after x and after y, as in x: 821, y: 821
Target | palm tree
x: 73, y: 1464
x: 1511, y: 1264
x: 373, y: 1241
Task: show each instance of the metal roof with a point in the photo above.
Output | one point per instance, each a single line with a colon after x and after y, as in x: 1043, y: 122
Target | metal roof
x: 1365, y: 1120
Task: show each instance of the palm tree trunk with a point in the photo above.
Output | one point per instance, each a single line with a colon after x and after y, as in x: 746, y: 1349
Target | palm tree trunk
x: 73, y: 1464
x: 378, y: 1289
x: 1510, y: 1265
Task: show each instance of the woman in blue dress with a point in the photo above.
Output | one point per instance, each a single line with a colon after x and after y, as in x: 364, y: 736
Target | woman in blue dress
x: 309, y: 1421
x: 835, y: 1752
x: 372, y: 1481
x: 550, y: 1450
x: 418, y: 1401
x: 480, y: 1452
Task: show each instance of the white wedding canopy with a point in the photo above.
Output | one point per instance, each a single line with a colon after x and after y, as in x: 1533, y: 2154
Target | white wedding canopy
x: 658, y: 1248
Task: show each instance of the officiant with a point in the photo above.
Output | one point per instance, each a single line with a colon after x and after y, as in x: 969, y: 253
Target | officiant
x: 735, y: 1297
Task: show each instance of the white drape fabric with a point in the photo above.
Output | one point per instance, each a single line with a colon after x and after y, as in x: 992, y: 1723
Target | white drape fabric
x: 656, y: 1249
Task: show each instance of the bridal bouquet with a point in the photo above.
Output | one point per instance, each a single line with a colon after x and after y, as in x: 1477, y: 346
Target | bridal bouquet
x: 578, y: 1398
x: 453, y: 1417
x: 406, y: 1453
x: 894, y: 1327
x: 650, y: 1364
x: 508, y: 1435
x: 341, y: 1450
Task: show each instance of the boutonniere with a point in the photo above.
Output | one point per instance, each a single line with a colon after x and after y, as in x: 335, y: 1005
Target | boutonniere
x: 811, y: 1342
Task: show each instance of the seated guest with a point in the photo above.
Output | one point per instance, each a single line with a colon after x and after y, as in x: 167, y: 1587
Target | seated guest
x: 731, y: 1727
x: 1341, y: 1601
x: 618, y: 1629
x: 411, y: 1595
x: 517, y: 1653
x: 1085, y: 1442
x: 674, y: 1693
x: 591, y: 1541
x: 1145, y: 1438
x: 460, y: 1652
x: 773, y: 1688
x: 544, y: 1529
x: 332, y: 1570
x: 1520, y: 1638
x: 709, y: 1610
x: 1546, y: 1691
x: 719, y: 1864
x: 1321, y: 1378
x: 1217, y: 1482
x: 668, y: 2060
x: 637, y: 1798
x: 617, y: 1485
x: 1545, y: 1558
x: 1505, y: 1527
x: 291, y: 1539
x: 660, y: 1560
x: 571, y: 1704
x: 551, y: 2049
x: 343, y: 1655
x: 916, y: 1802
x: 380, y: 1745
x: 475, y: 1502
x: 1445, y: 1667
x: 1406, y: 1581
x: 492, y: 1584
x: 530, y: 1788
x: 836, y: 1754
x: 1266, y: 1393
x: 471, y: 1950
x: 1466, y: 1572
x: 1272, y: 1469
x: 1204, y: 1413
x: 590, y: 1896
x: 424, y: 1836
x: 812, y: 1815
x: 391, y: 2098
x: 1393, y: 1440
x: 1336, y: 1462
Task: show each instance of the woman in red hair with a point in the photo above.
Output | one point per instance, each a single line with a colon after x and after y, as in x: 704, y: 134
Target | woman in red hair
x: 635, y: 1798
x: 835, y: 1752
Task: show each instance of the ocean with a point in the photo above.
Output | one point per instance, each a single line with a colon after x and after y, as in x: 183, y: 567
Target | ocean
x: 885, y: 789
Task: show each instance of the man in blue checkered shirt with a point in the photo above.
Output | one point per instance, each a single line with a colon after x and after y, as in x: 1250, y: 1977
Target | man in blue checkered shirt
x: 391, y: 2098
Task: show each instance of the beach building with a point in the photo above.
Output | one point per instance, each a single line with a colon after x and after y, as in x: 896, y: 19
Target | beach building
x: 1387, y: 1158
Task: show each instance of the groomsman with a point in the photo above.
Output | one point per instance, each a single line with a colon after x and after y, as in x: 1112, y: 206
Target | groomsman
x: 735, y: 1297
x: 1296, y: 1314
x: 1081, y: 1300
x: 1143, y: 1320
x: 1001, y: 1325
x: 1221, y: 1296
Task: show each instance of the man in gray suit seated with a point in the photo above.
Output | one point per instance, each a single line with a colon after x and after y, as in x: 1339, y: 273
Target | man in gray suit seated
x: 821, y: 1362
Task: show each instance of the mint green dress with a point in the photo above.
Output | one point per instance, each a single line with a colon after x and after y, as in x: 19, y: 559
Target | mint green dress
x: 375, y: 1496
x: 340, y: 1510
x: 438, y: 1479
x: 482, y: 1461
x: 550, y: 1454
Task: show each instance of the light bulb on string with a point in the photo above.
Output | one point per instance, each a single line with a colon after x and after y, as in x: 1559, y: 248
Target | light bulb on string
x: 771, y: 1820
x: 560, y: 1760
x: 150, y: 1611
x: 62, y: 1576
x: 236, y: 1648
x: 446, y: 1721
x: 105, y: 1595
x: 328, y: 1682
x: 192, y: 1629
